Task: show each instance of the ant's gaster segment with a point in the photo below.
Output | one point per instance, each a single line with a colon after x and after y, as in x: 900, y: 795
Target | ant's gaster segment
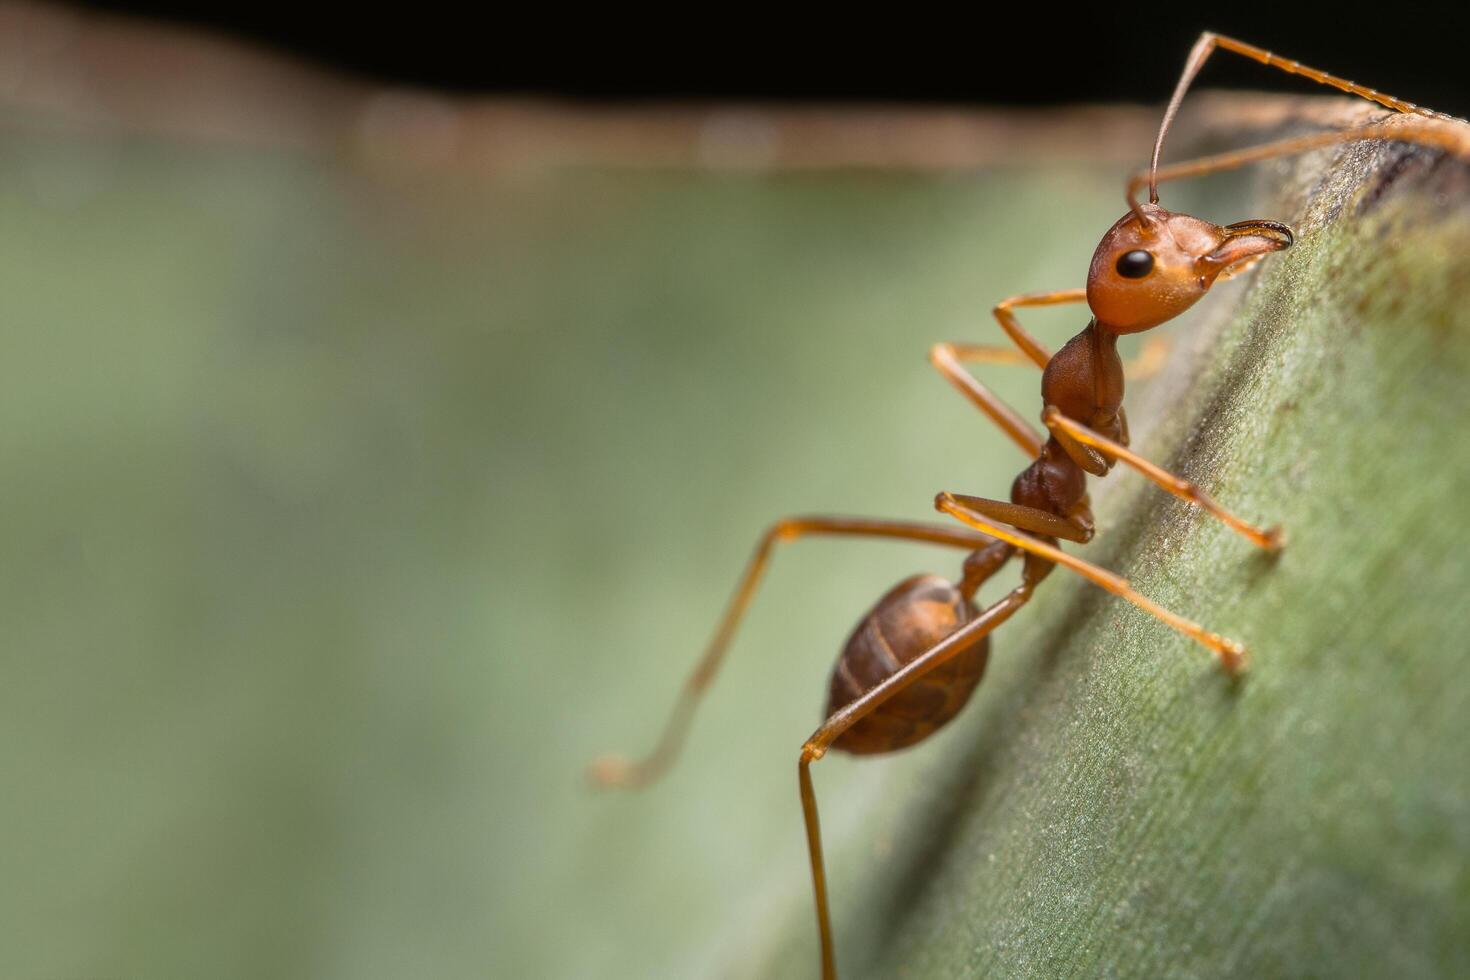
x: 913, y: 661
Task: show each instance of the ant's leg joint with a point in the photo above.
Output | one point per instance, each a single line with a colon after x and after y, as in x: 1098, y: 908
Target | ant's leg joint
x: 785, y: 529
x: 1233, y: 656
x: 608, y: 771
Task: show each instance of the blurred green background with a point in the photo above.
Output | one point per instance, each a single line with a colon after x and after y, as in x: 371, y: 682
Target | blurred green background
x: 349, y: 511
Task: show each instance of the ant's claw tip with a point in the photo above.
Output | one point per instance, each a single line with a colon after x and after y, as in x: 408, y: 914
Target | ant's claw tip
x: 609, y: 770
x: 1234, y: 658
x: 1272, y: 539
x: 1231, y: 653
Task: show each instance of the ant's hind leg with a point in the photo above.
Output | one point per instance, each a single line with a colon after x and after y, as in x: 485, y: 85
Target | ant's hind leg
x: 1270, y: 539
x: 1230, y: 653
x: 850, y: 714
x: 611, y: 770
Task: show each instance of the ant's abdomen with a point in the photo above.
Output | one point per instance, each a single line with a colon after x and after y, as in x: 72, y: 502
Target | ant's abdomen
x: 914, y: 615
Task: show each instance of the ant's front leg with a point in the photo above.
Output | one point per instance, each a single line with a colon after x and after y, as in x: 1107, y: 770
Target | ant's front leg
x: 1414, y: 124
x: 949, y: 359
x: 1271, y: 539
x: 1149, y: 360
x: 1028, y: 344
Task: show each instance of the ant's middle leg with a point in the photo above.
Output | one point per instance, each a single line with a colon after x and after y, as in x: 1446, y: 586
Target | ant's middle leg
x: 1270, y: 539
x: 1032, y: 519
x: 616, y: 771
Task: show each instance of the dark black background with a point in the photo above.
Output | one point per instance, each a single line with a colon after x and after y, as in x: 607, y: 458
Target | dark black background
x: 1018, y: 54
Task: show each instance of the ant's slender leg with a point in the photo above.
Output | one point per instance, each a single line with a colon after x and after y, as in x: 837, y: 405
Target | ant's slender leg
x: 1029, y: 345
x: 1230, y: 653
x: 946, y: 360
x: 987, y: 354
x: 1451, y: 136
x: 617, y: 771
x: 1150, y: 360
x: 1147, y: 363
x: 949, y: 357
x: 1270, y: 539
x: 1027, y: 518
x: 1089, y: 459
x: 1206, y: 45
x: 850, y: 714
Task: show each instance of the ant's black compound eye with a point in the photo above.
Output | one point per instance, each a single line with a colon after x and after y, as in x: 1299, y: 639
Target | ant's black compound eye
x: 1135, y: 264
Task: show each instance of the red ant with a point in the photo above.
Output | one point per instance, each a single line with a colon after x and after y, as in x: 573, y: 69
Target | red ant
x: 915, y: 658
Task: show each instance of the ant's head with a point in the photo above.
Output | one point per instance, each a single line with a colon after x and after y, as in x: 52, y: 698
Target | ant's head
x: 1154, y: 264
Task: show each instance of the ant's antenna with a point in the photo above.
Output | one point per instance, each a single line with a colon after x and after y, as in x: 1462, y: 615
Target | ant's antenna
x: 1192, y: 65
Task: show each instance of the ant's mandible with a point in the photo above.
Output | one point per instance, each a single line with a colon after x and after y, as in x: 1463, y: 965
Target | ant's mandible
x: 915, y: 658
